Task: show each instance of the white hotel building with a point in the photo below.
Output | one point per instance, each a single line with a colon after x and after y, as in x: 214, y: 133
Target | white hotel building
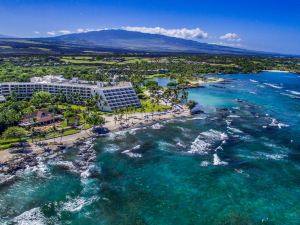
x: 115, y: 96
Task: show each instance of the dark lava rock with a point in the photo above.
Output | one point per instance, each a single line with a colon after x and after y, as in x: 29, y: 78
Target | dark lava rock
x: 197, y: 109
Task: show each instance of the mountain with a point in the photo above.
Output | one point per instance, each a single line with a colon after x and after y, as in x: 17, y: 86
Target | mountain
x: 5, y: 36
x: 119, y: 41
x: 143, y: 42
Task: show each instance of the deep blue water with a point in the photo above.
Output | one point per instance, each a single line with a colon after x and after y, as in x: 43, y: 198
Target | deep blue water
x: 237, y: 164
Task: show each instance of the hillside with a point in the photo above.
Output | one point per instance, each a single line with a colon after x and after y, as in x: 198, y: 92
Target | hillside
x: 113, y: 41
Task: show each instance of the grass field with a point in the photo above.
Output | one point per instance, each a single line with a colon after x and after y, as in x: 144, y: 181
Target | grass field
x: 92, y: 60
x: 8, y: 143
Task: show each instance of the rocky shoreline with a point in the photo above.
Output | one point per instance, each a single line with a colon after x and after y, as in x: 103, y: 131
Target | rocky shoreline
x: 11, y: 171
x: 87, y: 155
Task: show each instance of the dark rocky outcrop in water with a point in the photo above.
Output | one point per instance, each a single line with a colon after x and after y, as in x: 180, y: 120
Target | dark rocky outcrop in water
x: 197, y: 109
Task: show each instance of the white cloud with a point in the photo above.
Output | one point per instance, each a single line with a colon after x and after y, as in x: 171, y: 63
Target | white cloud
x: 36, y: 32
x: 230, y: 37
x: 64, y: 32
x: 84, y: 30
x: 236, y: 45
x: 52, y: 33
x: 185, y: 33
x: 80, y: 30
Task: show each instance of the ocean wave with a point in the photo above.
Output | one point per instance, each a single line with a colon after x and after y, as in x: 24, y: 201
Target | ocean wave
x: 294, y: 92
x: 234, y: 130
x: 75, y: 205
x: 273, y: 156
x: 261, y: 86
x: 254, y: 81
x: 206, y: 141
x: 134, y: 130
x: 33, y: 217
x: 275, y: 123
x: 156, y: 126
x: 217, y: 161
x: 273, y: 85
x: 180, y: 144
x: 290, y: 95
x: 132, y: 154
x: 228, y: 122
x: 112, y: 148
x: 7, y: 179
x: 200, y: 117
x: 205, y: 164
x: 233, y: 116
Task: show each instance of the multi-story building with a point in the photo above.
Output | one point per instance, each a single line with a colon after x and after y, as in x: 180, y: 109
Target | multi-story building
x: 112, y: 96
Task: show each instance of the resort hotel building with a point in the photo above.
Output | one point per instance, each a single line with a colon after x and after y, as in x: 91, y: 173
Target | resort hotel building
x: 112, y: 96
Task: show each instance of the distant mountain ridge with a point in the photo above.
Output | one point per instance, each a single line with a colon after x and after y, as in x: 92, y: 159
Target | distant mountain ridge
x: 119, y: 41
x: 5, y: 36
x: 137, y: 41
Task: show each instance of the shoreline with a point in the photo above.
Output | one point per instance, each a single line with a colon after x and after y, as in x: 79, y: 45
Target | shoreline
x: 201, y: 82
x: 276, y: 71
x: 11, y: 162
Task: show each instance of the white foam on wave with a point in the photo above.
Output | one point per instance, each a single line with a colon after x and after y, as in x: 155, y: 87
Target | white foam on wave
x: 180, y: 144
x: 41, y: 169
x: 205, y: 164
x: 112, y: 148
x: 235, y: 130
x: 134, y: 130
x: 31, y: 217
x: 133, y: 154
x: 274, y: 156
x: 273, y: 85
x: 204, y: 142
x: 199, y: 146
x: 217, y: 161
x: 200, y: 117
x: 254, y: 81
x: 6, y: 179
x: 228, y: 122
x: 75, y: 205
x: 67, y: 165
x: 291, y: 96
x: 275, y: 123
x: 233, y: 116
x: 156, y: 126
x: 294, y: 92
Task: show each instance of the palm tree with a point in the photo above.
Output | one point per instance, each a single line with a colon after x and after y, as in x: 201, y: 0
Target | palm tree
x: 95, y: 120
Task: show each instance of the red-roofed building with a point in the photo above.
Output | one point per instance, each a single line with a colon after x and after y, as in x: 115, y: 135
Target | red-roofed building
x: 41, y: 117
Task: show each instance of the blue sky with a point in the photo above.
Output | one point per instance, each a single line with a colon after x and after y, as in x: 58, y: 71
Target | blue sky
x: 257, y: 24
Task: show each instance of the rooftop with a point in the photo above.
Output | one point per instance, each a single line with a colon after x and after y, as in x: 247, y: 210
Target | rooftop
x: 60, y: 80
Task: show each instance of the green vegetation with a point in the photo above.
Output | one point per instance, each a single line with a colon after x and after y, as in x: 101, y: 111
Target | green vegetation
x: 8, y: 143
x: 138, y: 68
x: 74, y: 118
x: 77, y: 114
x: 148, y: 106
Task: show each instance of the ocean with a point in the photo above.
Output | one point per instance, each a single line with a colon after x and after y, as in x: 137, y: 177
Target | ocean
x: 239, y: 163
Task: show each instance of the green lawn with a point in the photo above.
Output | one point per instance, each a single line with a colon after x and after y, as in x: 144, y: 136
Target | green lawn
x: 8, y: 143
x: 92, y: 60
x: 158, y: 75
x: 148, y: 106
x: 71, y: 131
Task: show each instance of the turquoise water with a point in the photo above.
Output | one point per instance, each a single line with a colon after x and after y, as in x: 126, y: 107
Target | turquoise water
x: 162, y: 81
x: 237, y: 164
